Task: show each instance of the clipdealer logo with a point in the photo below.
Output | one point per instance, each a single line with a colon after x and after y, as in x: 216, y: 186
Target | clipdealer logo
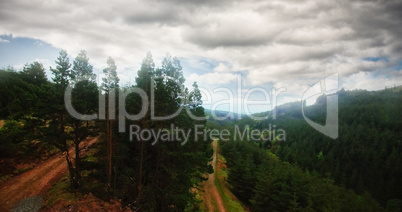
x: 327, y: 86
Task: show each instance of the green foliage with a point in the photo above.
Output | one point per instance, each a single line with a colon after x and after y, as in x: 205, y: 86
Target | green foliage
x: 23, y: 95
x: 61, y: 191
x: 81, y: 68
x: 85, y: 97
x: 18, y: 96
x: 154, y: 177
x: 366, y: 154
x: 111, y: 80
x: 221, y: 175
x: 37, y: 120
x: 10, y: 137
x: 364, y: 157
x: 267, y: 184
x: 320, y: 156
x: 34, y: 73
x: 62, y: 73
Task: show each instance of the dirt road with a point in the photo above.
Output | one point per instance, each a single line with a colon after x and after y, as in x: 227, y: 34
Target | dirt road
x: 211, y: 192
x: 37, y: 181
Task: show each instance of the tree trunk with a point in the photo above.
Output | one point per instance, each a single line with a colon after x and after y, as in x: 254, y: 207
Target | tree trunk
x: 140, y: 148
x: 65, y: 149
x: 77, y: 161
x: 73, y: 178
x: 109, y: 148
x: 77, y: 141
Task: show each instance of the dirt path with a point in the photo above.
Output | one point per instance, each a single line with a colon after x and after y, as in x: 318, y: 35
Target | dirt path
x: 37, y: 181
x: 210, y: 191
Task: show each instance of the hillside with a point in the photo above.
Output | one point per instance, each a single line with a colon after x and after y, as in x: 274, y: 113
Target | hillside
x: 366, y: 156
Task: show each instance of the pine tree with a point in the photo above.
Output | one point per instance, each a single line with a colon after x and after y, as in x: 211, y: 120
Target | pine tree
x: 110, y: 86
x: 62, y: 78
x: 34, y: 73
x: 84, y: 99
x: 144, y: 81
x: 62, y: 73
x: 82, y: 70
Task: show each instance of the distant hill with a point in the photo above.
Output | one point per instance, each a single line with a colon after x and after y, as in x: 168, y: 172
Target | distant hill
x: 216, y: 118
x: 368, y: 152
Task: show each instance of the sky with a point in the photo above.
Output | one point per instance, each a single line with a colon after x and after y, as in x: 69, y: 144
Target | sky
x: 265, y: 52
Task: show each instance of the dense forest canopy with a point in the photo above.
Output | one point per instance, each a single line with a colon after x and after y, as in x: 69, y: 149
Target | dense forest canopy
x: 365, y: 158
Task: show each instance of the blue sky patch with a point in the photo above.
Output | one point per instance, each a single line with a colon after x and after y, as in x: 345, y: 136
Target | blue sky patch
x: 17, y: 51
x: 376, y: 59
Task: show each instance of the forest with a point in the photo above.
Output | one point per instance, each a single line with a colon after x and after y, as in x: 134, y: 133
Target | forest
x: 307, y: 171
x: 36, y: 124
x: 358, y: 171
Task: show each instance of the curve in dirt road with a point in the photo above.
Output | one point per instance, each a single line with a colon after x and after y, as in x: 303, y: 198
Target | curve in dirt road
x: 37, y: 181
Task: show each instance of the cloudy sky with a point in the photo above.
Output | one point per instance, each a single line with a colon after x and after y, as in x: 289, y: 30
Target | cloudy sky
x: 237, y: 45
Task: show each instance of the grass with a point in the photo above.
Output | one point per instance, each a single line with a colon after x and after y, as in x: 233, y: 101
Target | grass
x: 91, y: 155
x: 199, y: 204
x: 60, y: 192
x: 215, y: 206
x: 229, y: 200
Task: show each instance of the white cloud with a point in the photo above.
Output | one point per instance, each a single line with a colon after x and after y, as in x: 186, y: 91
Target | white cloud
x: 371, y: 82
x: 214, y: 78
x: 222, y: 68
x: 4, y: 40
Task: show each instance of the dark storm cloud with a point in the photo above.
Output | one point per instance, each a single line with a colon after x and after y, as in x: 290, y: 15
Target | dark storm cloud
x: 170, y: 12
x: 224, y: 39
x: 377, y: 21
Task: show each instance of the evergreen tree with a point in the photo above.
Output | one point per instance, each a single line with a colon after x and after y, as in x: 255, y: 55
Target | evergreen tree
x: 34, y: 73
x: 56, y: 132
x: 62, y: 73
x: 110, y: 86
x: 82, y: 70
x: 84, y: 99
x: 144, y: 81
